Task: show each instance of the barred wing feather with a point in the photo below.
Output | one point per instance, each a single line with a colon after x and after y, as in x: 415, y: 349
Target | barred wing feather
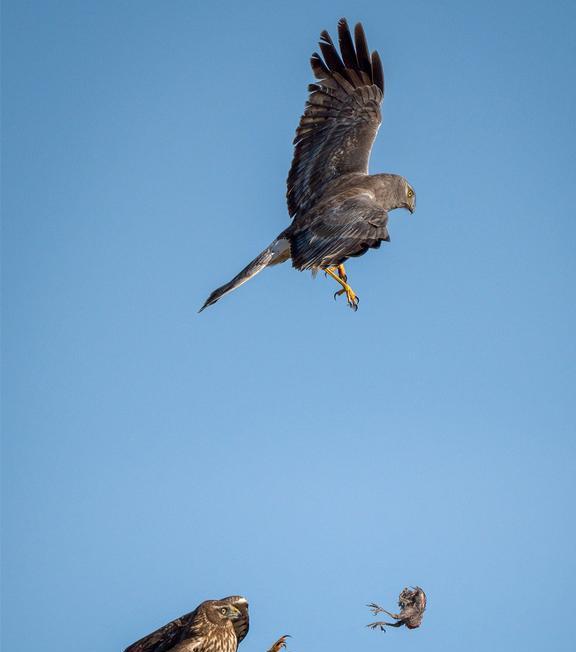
x: 341, y: 118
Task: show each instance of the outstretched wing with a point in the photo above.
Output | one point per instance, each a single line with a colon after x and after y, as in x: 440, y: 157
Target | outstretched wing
x: 341, y: 117
x: 165, y: 638
x: 348, y: 227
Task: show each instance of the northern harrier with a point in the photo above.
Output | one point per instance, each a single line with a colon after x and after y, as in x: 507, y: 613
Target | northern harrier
x: 214, y: 626
x: 338, y: 209
x: 412, y: 605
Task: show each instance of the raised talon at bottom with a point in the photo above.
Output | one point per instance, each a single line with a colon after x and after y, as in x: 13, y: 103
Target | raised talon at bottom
x: 352, y: 298
x: 341, y: 278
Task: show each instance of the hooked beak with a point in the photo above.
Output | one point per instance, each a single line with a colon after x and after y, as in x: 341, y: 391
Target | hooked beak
x: 234, y: 613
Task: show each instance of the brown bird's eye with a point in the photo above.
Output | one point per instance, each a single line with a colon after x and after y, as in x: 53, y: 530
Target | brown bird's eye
x: 223, y: 610
x: 410, y: 192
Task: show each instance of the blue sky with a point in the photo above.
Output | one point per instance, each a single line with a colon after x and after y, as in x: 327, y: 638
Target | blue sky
x: 279, y: 445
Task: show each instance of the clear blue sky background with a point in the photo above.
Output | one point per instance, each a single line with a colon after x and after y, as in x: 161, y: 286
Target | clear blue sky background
x: 279, y: 445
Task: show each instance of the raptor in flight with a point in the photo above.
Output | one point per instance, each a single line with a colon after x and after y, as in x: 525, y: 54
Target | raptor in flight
x: 338, y: 210
x: 214, y: 626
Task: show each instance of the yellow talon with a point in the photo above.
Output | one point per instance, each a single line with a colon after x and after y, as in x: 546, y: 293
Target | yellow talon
x: 341, y: 278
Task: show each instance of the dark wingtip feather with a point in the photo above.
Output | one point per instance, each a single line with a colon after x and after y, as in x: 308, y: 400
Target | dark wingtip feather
x: 318, y: 66
x: 347, y: 45
x: 331, y: 57
x: 377, y: 71
x: 362, y: 52
x: 324, y: 36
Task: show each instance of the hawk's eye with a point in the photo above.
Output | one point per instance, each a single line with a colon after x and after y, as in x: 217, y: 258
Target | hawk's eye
x: 410, y: 193
x: 223, y: 610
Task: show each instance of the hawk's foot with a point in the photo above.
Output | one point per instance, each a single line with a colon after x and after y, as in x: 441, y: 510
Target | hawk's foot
x: 351, y: 296
x: 342, y: 273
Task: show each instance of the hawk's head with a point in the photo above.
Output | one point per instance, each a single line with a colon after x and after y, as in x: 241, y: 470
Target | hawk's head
x: 410, y: 200
x: 219, y: 612
x: 393, y: 191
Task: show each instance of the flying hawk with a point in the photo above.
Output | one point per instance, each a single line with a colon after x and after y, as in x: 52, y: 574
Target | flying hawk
x: 412, y: 603
x: 214, y: 626
x: 338, y: 209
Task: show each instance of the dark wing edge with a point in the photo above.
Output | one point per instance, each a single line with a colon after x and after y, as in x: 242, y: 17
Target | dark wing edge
x: 341, y: 117
x: 164, y: 638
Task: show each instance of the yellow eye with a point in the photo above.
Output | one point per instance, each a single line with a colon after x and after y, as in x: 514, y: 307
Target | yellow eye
x: 223, y: 610
x: 410, y: 193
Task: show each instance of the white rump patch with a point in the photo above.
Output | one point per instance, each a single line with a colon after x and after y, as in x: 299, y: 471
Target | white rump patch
x: 280, y: 250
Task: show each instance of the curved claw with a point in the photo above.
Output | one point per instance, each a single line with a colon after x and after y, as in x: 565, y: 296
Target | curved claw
x: 279, y: 644
x: 376, y: 625
x: 353, y: 302
x: 346, y: 289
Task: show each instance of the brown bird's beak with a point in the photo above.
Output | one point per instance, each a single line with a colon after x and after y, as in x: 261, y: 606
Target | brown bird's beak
x: 234, y: 613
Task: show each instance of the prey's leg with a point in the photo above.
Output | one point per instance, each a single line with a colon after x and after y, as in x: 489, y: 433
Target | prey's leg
x: 341, y: 278
x: 382, y: 624
x: 377, y: 609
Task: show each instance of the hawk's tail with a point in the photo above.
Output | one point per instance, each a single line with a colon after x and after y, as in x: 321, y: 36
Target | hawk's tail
x: 277, y: 252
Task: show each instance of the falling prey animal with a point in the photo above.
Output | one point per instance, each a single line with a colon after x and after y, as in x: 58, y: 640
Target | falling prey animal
x: 412, y: 603
x: 338, y: 209
x: 214, y: 626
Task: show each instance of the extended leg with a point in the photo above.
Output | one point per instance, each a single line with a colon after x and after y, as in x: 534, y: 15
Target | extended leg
x: 344, y: 277
x: 381, y: 624
x: 341, y: 278
x: 377, y: 609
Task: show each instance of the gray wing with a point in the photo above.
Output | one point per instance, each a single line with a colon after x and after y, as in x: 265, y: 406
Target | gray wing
x: 166, y: 637
x: 346, y: 227
x: 341, y: 118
